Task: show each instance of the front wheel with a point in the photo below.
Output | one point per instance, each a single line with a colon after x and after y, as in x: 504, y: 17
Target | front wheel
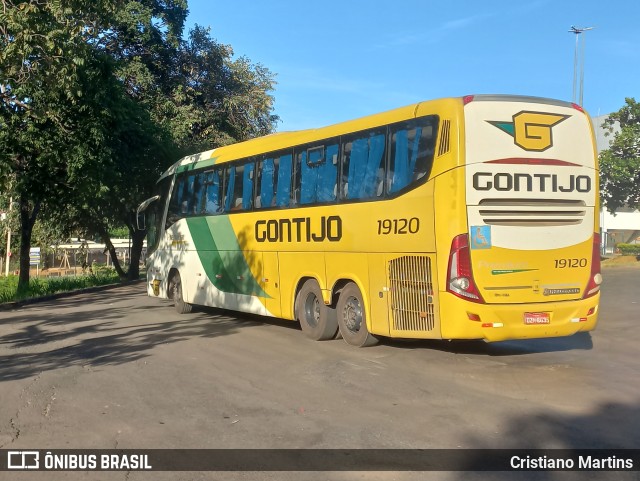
x: 179, y: 303
x: 352, y: 318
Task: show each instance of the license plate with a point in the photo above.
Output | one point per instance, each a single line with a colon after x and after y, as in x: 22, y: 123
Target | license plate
x: 532, y: 318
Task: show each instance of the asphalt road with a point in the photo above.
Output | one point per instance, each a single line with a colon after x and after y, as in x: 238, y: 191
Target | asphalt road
x: 116, y: 369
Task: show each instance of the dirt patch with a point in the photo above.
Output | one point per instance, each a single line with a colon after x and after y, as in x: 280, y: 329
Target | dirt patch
x: 621, y: 261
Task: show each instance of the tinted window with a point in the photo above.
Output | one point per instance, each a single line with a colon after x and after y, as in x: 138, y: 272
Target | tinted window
x: 212, y: 192
x: 273, y: 181
x: 317, y: 173
x: 180, y: 199
x: 412, y: 148
x: 363, y: 165
x: 154, y: 214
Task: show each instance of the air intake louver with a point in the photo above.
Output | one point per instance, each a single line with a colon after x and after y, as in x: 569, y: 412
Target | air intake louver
x: 445, y: 132
x: 411, y: 293
x: 532, y: 212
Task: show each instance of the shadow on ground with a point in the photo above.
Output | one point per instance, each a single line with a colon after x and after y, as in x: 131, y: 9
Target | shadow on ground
x: 95, y: 331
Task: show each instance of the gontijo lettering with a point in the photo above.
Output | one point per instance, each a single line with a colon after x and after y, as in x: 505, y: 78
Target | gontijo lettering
x: 299, y: 229
x: 505, y: 182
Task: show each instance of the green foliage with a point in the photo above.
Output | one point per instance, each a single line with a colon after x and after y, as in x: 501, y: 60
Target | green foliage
x: 629, y: 249
x: 40, y: 287
x: 98, y: 97
x: 119, y: 232
x: 620, y: 164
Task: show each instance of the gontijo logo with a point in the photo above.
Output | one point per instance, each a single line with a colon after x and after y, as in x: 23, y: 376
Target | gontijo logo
x: 531, y: 130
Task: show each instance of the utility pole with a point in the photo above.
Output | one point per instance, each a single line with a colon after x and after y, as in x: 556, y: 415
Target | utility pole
x: 578, y: 88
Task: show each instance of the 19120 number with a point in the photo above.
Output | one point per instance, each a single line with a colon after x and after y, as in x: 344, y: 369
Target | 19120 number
x: 570, y: 263
x: 398, y: 226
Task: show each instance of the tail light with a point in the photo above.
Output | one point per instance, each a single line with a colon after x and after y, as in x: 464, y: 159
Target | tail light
x: 459, y: 274
x: 595, y: 278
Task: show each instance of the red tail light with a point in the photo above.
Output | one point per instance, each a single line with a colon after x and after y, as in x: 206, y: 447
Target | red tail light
x: 459, y: 274
x: 595, y: 278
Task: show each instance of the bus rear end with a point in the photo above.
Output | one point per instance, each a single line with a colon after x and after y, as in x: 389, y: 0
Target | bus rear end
x: 528, y: 265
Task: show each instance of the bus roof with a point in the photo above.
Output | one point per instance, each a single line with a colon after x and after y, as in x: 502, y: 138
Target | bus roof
x: 283, y: 140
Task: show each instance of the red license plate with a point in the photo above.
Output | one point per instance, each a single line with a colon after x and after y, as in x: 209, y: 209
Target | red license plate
x: 532, y: 318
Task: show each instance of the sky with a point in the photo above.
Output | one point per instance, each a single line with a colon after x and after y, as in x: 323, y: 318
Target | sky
x: 339, y: 60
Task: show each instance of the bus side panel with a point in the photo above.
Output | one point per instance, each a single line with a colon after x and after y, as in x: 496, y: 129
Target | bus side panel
x: 379, y: 294
x: 300, y: 264
x: 270, y: 282
x: 451, y: 220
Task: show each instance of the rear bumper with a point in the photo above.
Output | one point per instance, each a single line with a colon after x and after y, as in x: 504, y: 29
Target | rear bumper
x: 500, y: 322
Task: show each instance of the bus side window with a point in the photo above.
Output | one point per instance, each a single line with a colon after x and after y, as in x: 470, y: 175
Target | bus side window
x: 233, y: 196
x: 363, y: 166
x: 266, y: 186
x: 306, y: 174
x: 212, y: 189
x: 318, y: 173
x: 247, y: 186
x: 186, y: 201
x: 283, y: 192
x: 412, y: 149
x: 175, y: 211
x: 198, y: 194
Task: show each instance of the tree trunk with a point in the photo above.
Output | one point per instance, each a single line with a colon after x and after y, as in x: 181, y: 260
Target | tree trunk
x: 104, y: 234
x: 137, y: 242
x: 27, y: 220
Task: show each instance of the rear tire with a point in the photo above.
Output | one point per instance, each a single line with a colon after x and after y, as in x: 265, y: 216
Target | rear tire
x: 317, y: 320
x: 352, y: 318
x: 179, y: 303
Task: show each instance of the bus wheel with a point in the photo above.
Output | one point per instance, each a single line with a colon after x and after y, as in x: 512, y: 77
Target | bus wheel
x: 178, y: 300
x: 317, y: 320
x: 352, y: 318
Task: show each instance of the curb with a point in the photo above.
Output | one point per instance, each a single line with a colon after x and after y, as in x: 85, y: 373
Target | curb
x: 7, y: 306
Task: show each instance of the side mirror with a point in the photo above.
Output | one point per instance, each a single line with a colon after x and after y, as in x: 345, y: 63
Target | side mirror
x: 140, y: 217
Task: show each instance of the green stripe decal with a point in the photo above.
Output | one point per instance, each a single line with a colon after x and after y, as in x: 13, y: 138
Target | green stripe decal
x: 223, y: 261
x: 499, y: 272
x: 197, y: 165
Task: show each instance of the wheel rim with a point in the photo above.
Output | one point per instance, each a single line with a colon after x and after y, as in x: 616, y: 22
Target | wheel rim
x: 352, y: 314
x: 312, y: 310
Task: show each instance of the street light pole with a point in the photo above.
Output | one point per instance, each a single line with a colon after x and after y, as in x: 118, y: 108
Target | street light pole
x: 579, y: 47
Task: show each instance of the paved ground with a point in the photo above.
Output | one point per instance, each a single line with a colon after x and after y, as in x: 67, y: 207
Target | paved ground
x: 119, y: 370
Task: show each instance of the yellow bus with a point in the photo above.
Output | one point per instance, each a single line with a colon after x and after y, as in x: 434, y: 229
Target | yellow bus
x: 457, y: 218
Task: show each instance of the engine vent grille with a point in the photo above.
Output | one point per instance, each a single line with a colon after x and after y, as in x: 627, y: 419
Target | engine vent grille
x: 445, y: 134
x: 532, y: 212
x: 411, y: 283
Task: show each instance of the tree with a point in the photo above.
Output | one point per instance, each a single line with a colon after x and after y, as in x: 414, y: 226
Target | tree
x: 97, y: 97
x: 43, y: 48
x: 620, y: 163
x: 183, y: 97
x: 195, y: 97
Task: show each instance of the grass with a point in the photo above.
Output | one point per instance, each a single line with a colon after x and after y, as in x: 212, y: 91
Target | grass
x: 618, y: 260
x: 39, y: 287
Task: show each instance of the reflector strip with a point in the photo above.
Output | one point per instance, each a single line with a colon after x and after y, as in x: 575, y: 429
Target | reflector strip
x: 492, y: 324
